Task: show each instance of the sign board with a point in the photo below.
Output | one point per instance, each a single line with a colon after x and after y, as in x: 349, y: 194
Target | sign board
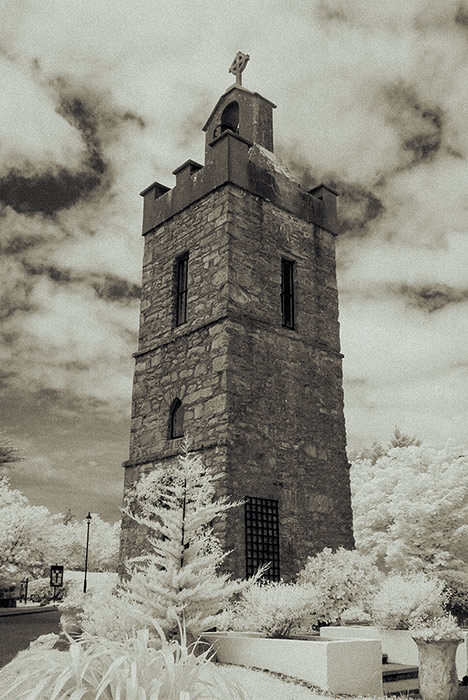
x: 56, y: 575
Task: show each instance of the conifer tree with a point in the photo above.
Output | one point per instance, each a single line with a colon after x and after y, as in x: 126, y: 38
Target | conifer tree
x: 179, y: 580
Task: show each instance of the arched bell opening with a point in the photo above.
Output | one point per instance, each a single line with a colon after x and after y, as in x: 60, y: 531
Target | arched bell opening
x: 229, y: 119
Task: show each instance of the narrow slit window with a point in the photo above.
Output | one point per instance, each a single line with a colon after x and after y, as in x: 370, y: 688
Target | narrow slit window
x: 181, y: 289
x: 262, y: 537
x: 287, y: 292
x: 176, y: 428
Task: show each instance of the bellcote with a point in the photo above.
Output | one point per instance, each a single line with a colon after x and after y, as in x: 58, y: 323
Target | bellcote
x: 245, y: 113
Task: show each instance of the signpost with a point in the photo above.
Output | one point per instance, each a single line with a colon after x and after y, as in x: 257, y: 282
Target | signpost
x: 56, y: 579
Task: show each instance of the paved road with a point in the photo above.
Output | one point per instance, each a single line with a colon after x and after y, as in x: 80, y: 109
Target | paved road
x: 16, y: 631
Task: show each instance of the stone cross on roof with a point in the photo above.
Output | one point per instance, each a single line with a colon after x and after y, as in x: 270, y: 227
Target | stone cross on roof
x: 238, y: 66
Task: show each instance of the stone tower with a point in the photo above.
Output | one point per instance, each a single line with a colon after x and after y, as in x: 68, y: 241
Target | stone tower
x: 239, y: 342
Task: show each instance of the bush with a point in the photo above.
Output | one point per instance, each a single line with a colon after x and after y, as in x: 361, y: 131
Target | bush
x: 456, y: 584
x: 275, y: 609
x: 106, y: 614
x: 343, y: 579
x: 437, y: 630
x: 96, y: 667
x: 8, y: 588
x: 355, y: 614
x: 405, y: 600
x: 40, y: 591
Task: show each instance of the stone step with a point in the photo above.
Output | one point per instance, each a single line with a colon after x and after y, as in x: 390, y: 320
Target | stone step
x: 398, y: 678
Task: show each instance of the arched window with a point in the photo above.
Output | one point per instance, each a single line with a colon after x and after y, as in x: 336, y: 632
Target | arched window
x: 176, y: 425
x: 230, y: 117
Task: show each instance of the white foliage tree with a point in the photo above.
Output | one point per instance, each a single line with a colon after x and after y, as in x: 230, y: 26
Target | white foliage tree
x: 25, y: 532
x: 410, y: 508
x: 31, y: 539
x: 68, y: 544
x: 179, y: 579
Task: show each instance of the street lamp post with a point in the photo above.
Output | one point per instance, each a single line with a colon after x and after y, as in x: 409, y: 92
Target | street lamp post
x: 88, y: 522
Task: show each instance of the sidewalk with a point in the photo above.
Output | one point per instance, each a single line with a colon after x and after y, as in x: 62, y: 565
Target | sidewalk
x: 26, y: 610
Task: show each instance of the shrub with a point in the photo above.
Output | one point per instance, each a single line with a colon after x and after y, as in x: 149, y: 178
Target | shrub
x: 404, y: 600
x: 456, y: 583
x: 106, y: 614
x: 40, y: 591
x: 131, y: 669
x: 8, y: 588
x: 275, y: 609
x: 439, y: 629
x: 101, y: 611
x: 355, y: 614
x: 343, y: 579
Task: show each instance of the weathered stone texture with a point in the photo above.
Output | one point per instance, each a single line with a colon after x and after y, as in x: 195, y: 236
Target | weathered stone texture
x: 263, y: 403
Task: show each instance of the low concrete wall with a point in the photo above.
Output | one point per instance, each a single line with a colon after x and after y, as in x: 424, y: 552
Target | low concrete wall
x: 397, y: 644
x: 350, y: 667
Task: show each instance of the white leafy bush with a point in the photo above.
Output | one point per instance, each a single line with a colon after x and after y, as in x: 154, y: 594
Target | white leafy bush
x: 274, y: 609
x: 40, y: 590
x: 355, y: 614
x: 128, y: 670
x: 342, y: 579
x: 105, y: 613
x: 101, y: 611
x: 407, y: 599
x: 437, y: 630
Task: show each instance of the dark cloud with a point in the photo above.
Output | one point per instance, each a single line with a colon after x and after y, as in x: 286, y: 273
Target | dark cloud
x: 113, y: 288
x: 132, y: 117
x: 359, y: 208
x: 49, y: 271
x: 51, y: 192
x: 419, y: 125
x: 432, y: 298
x: 46, y: 193
x: 328, y: 12
x: 426, y: 144
x: 108, y: 287
x: 19, y: 244
x: 461, y: 15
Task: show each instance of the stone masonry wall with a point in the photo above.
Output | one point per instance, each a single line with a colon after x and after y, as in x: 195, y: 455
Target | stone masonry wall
x: 188, y: 362
x: 285, y: 399
x: 263, y: 403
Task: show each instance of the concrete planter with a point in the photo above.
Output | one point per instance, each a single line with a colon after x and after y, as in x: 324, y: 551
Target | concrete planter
x: 397, y: 644
x: 350, y: 667
x: 437, y: 671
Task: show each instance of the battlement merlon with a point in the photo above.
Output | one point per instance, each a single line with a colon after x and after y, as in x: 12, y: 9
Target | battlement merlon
x: 240, y: 163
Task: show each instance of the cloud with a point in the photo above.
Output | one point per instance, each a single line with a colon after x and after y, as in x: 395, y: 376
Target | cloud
x: 433, y: 298
x: 372, y: 98
x: 34, y: 139
x: 70, y: 338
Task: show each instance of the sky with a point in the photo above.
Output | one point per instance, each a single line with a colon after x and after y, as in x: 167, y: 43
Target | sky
x: 100, y: 99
